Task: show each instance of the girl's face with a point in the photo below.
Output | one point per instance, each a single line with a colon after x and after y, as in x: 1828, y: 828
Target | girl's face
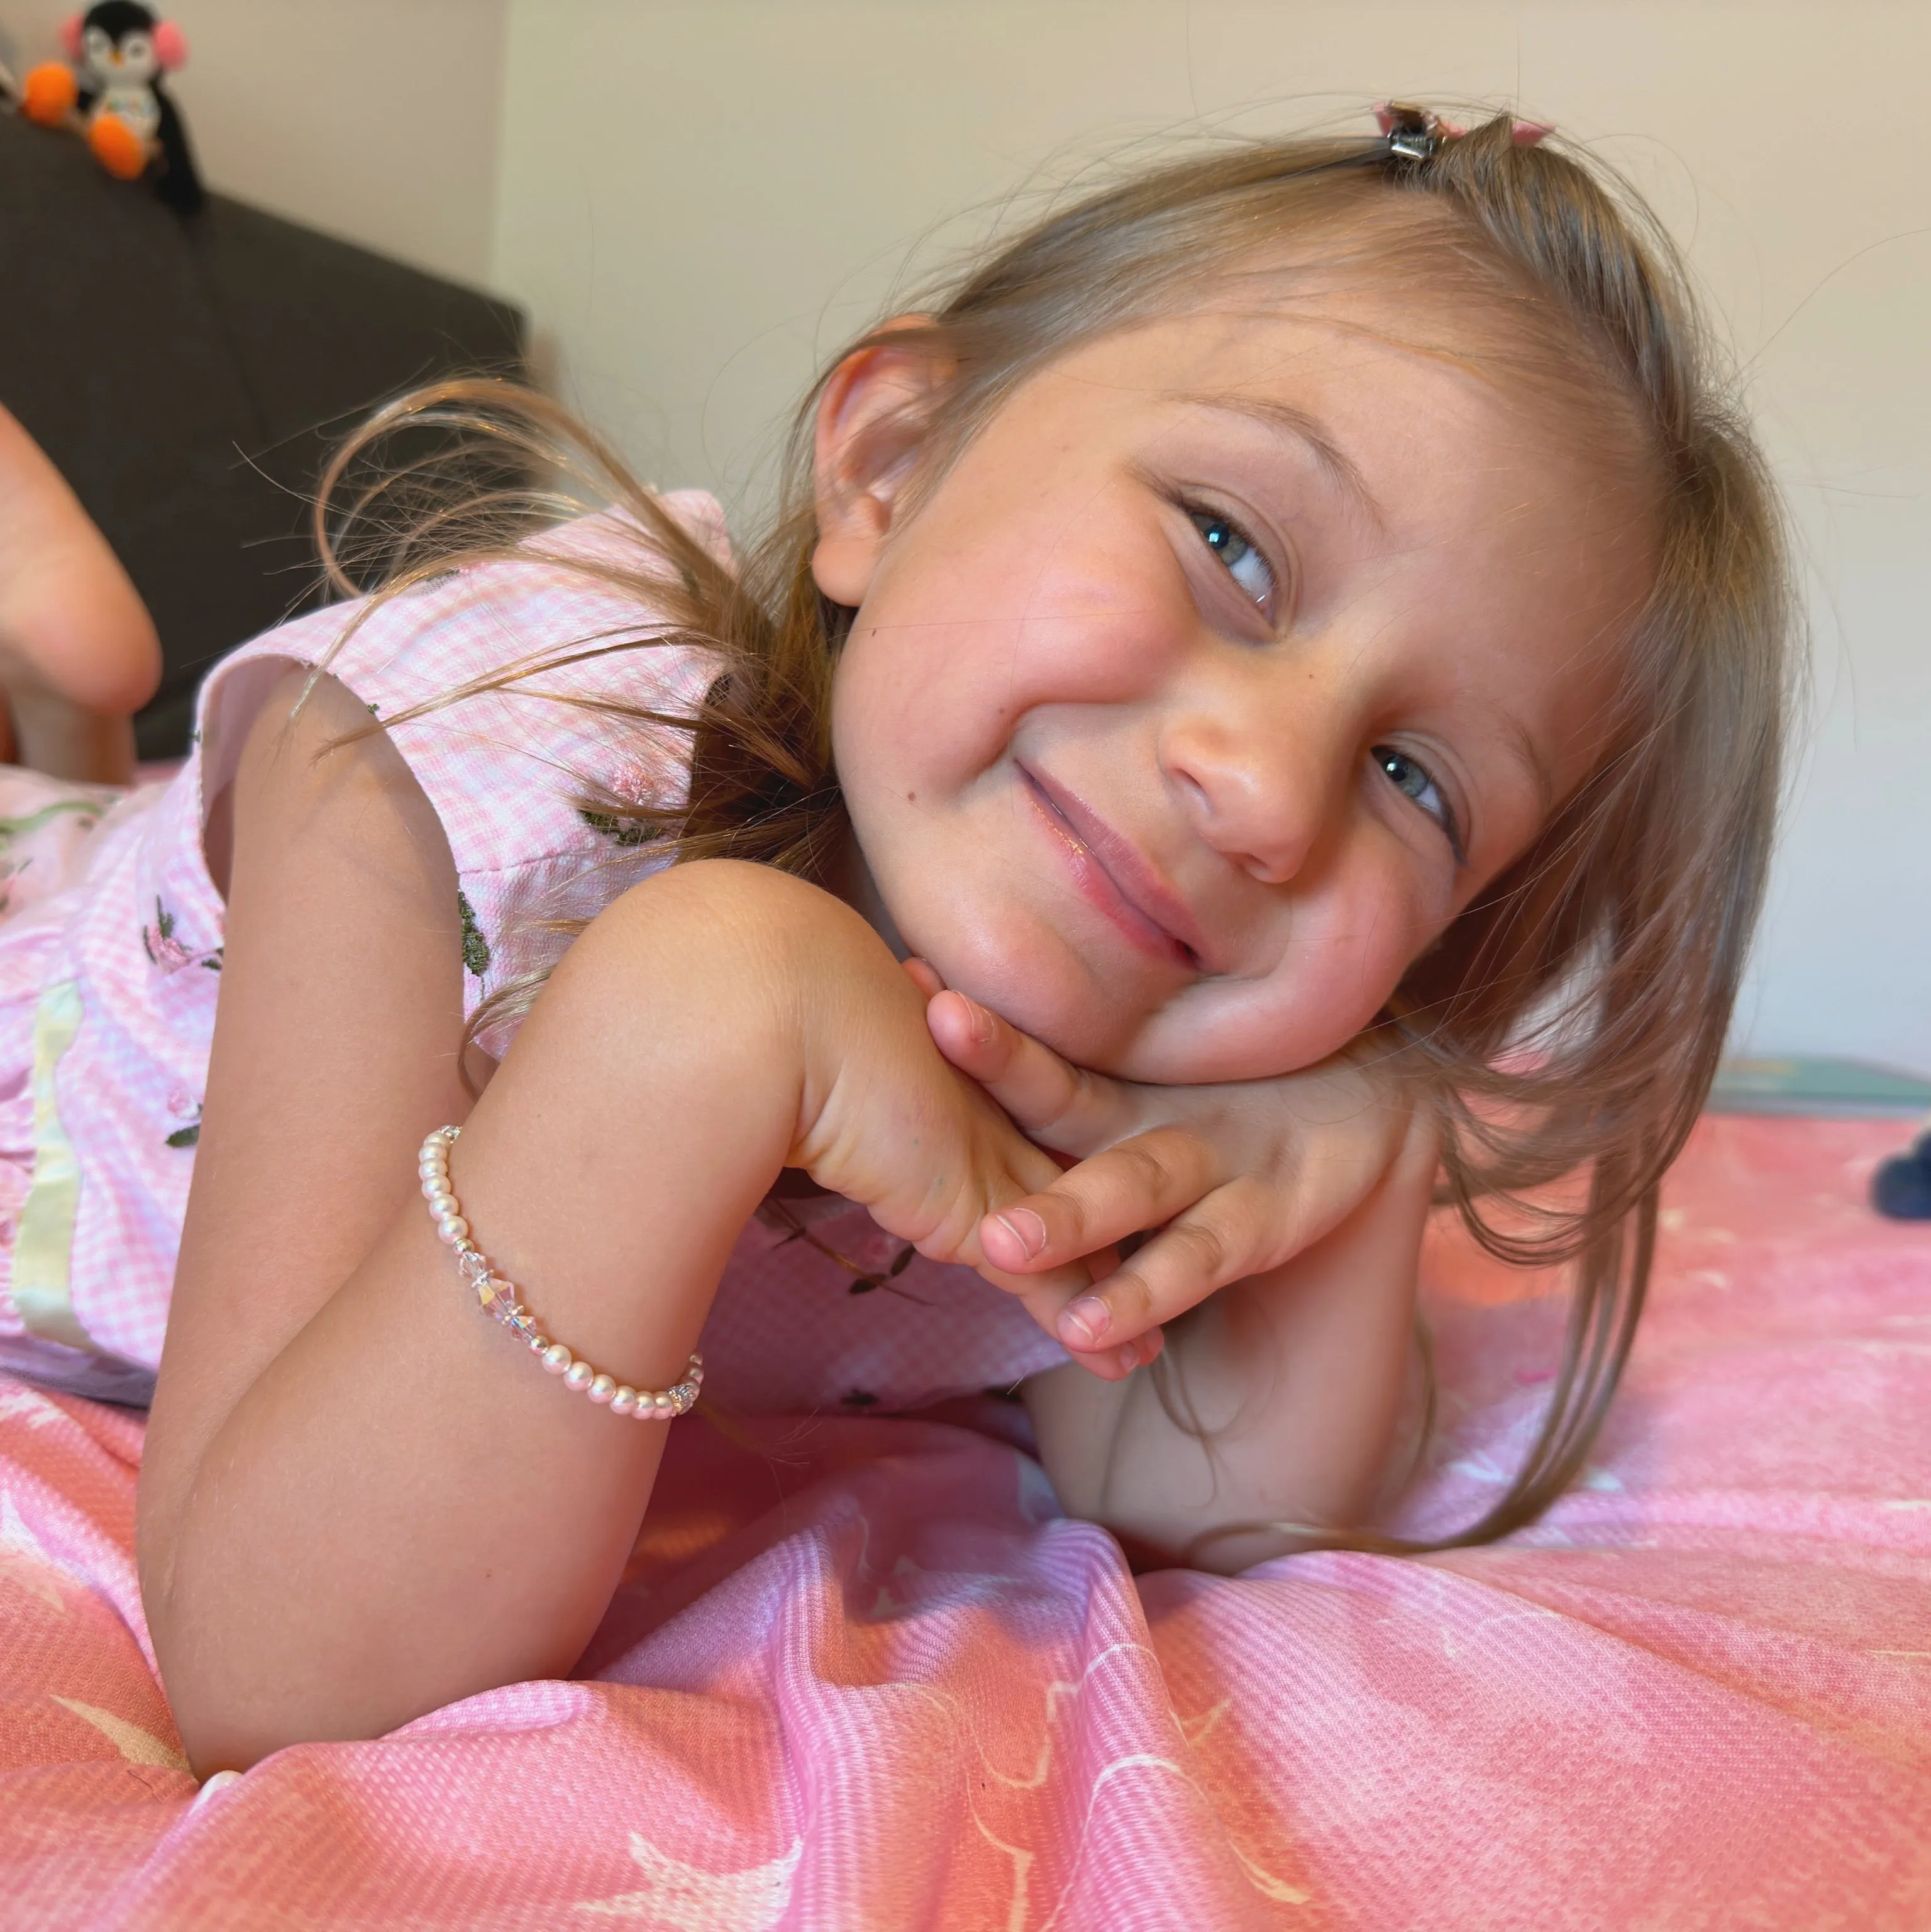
x: 1229, y: 661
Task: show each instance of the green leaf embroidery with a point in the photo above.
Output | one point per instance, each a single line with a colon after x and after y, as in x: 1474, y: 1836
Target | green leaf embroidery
x: 186, y: 1136
x: 476, y: 947
x: 12, y: 828
x: 618, y: 831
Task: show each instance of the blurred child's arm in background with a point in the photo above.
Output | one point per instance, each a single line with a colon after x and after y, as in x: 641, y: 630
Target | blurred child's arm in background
x: 78, y: 653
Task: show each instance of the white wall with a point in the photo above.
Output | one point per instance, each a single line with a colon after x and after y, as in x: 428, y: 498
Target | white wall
x: 697, y: 196
x: 373, y: 120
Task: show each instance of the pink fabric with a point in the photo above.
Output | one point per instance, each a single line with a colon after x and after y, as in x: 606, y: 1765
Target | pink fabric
x: 864, y: 1675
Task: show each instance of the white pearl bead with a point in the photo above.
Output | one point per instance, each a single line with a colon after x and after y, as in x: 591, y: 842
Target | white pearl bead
x: 624, y: 1402
x: 662, y: 1403
x: 452, y: 1227
x: 603, y: 1390
x: 556, y: 1358
x: 578, y: 1376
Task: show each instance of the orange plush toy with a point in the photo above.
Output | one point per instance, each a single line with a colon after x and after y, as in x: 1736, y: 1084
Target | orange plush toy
x: 119, y: 50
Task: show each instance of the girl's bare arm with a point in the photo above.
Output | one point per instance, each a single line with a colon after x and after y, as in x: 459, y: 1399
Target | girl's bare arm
x: 1295, y: 1377
x: 360, y: 1498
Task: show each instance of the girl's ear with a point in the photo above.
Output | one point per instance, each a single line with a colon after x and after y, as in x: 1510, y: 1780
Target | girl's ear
x: 871, y: 423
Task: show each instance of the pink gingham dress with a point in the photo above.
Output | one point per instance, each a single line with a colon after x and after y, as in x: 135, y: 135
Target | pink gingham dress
x: 110, y: 959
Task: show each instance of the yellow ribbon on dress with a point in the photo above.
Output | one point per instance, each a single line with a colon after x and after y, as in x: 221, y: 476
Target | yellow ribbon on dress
x: 43, y: 1245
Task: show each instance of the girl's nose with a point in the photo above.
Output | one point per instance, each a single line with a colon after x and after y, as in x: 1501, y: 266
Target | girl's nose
x: 1260, y: 788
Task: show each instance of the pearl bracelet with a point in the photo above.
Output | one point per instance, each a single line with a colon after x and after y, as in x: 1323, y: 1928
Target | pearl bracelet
x: 497, y: 1299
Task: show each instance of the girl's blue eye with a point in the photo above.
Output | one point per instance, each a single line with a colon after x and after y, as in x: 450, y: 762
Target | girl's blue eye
x: 1245, y: 564
x: 1412, y: 779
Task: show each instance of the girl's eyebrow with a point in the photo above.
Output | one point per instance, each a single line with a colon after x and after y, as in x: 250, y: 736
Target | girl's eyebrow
x: 1340, y: 467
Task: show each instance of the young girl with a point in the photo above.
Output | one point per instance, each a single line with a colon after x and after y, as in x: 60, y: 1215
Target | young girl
x: 1288, y: 653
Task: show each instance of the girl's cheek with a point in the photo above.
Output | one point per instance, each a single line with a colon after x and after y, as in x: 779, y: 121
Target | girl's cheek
x: 903, y: 705
x: 1348, y: 971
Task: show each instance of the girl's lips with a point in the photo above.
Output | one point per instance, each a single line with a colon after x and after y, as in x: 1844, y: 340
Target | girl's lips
x: 1113, y: 877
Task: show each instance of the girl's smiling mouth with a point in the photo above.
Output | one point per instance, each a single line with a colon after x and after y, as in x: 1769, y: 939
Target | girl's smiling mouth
x: 1113, y: 877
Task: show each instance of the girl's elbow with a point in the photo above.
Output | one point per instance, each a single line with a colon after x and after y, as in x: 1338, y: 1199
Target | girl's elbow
x: 237, y: 1681
x: 232, y: 1710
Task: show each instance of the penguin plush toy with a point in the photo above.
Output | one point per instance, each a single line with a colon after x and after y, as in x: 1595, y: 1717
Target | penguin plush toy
x: 120, y: 50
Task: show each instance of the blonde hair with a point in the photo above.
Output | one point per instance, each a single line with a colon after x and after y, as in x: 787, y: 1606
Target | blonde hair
x: 1570, y: 1020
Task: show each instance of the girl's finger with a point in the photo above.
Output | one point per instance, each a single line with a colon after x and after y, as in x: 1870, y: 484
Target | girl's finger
x: 1044, y: 1292
x: 923, y: 975
x: 1226, y: 1238
x: 1058, y: 1105
x: 1115, y: 1364
x: 1141, y: 1183
x: 1047, y: 1298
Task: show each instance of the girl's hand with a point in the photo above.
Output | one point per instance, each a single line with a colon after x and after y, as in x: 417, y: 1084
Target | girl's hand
x: 1236, y: 1179
x: 882, y: 1119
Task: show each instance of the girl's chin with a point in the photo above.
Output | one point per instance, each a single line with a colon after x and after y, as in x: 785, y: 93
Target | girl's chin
x: 1069, y: 1018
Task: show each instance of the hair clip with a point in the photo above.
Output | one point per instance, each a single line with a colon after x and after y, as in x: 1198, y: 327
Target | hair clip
x: 1413, y: 133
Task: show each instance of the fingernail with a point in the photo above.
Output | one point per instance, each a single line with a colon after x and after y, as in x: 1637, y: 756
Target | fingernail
x: 1129, y: 1357
x: 981, y: 1025
x: 1026, y: 1227
x: 1083, y: 1322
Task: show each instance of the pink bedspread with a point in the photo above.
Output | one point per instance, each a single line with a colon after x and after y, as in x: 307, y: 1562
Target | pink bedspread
x: 870, y: 1677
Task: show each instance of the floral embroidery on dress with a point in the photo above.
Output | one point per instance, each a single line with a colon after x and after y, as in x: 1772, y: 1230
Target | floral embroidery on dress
x: 864, y: 1280
x: 180, y: 1102
x: 476, y: 947
x: 634, y: 783
x: 618, y: 831
x: 164, y: 950
x: 87, y: 811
